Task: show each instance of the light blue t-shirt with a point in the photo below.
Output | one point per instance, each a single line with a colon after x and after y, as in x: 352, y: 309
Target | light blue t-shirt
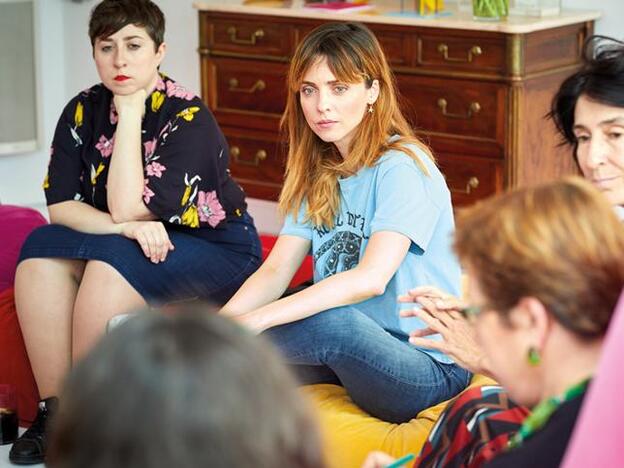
x: 393, y: 195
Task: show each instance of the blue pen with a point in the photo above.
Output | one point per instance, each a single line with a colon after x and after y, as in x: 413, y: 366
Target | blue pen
x: 401, y: 461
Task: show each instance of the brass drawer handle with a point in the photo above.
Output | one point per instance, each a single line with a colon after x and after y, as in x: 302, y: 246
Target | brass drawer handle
x: 472, y: 184
x: 474, y: 51
x: 259, y: 85
x: 260, y: 155
x: 233, y: 32
x: 474, y: 108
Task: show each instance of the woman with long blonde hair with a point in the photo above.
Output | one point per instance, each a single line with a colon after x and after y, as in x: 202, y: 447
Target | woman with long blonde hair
x: 364, y: 195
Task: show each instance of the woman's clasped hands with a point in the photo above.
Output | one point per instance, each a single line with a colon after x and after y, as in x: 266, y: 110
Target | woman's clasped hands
x: 442, y: 313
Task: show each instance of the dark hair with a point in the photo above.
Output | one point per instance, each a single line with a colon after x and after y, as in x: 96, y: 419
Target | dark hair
x: 109, y: 16
x: 601, y: 78
x: 186, y: 389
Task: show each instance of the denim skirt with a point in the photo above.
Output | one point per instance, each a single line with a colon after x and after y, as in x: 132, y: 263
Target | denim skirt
x: 196, y: 269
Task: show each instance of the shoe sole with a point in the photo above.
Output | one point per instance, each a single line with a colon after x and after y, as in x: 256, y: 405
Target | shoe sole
x: 25, y: 460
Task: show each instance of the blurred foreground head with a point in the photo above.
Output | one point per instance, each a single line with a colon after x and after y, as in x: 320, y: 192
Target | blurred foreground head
x: 185, y: 389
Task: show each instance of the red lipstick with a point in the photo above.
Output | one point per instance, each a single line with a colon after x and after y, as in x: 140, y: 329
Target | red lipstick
x: 121, y: 78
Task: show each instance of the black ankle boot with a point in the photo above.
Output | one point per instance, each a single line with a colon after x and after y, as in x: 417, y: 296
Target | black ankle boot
x: 30, y: 448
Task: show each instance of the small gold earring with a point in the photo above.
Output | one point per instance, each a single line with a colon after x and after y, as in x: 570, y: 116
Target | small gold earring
x: 370, y: 108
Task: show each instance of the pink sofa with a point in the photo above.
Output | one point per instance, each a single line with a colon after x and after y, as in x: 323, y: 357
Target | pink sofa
x: 15, y: 225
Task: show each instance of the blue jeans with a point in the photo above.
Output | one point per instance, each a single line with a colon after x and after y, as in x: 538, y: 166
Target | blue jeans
x: 384, y: 375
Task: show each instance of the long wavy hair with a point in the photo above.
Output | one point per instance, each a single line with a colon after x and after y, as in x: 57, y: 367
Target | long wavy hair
x: 313, y: 166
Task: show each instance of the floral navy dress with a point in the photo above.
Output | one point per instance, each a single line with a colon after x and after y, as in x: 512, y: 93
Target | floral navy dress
x: 187, y: 186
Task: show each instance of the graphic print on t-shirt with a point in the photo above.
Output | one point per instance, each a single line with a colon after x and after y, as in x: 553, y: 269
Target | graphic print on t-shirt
x: 344, y: 252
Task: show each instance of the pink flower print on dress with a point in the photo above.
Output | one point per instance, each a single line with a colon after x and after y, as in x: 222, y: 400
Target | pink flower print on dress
x: 174, y: 89
x: 160, y: 84
x: 150, y: 147
x: 210, y: 210
x: 105, y: 146
x: 147, y: 193
x: 155, y: 169
x: 112, y: 115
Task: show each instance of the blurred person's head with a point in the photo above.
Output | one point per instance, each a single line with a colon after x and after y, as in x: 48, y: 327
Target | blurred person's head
x: 546, y: 268
x: 185, y: 389
x: 127, y: 37
x: 588, y: 110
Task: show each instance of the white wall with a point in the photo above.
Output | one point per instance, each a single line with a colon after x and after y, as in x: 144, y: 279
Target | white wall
x: 66, y: 67
x: 21, y: 175
x: 612, y: 14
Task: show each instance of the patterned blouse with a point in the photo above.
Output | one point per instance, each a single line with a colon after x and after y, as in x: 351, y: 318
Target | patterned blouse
x: 185, y: 158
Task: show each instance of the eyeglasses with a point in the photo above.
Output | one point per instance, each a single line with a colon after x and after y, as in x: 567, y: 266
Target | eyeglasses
x: 470, y: 312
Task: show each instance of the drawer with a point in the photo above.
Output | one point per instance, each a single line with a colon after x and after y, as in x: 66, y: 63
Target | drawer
x: 257, y: 162
x: 247, y: 91
x: 455, y: 107
x: 471, y: 178
x: 398, y: 46
x: 250, y: 37
x: 461, y: 51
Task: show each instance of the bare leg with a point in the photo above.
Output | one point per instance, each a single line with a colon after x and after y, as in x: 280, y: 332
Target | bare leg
x: 103, y: 293
x: 45, y: 292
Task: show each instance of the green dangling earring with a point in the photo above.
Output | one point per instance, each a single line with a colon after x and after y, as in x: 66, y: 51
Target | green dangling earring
x: 534, y: 356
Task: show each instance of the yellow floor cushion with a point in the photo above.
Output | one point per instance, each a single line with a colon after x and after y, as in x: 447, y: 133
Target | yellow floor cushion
x: 350, y: 434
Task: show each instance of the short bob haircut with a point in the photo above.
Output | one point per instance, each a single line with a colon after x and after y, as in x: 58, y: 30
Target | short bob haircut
x: 560, y: 243
x: 601, y: 79
x: 186, y: 389
x: 109, y: 16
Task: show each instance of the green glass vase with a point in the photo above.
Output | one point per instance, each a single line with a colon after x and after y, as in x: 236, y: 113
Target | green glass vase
x: 490, y: 10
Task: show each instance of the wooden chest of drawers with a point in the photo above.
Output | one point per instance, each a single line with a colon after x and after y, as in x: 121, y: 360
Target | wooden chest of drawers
x: 478, y: 97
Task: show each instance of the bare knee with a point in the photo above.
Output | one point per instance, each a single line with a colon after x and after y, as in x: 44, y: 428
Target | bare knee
x: 34, y: 269
x: 103, y: 293
x: 46, y: 283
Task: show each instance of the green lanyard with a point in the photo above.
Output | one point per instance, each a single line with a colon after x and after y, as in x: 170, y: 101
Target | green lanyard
x: 542, y: 413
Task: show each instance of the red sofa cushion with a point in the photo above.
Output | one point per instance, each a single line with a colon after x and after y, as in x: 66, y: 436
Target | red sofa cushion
x: 304, y: 273
x: 14, y: 364
x: 16, y: 222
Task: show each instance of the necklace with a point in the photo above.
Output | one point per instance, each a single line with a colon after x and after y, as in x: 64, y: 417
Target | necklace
x: 542, y: 413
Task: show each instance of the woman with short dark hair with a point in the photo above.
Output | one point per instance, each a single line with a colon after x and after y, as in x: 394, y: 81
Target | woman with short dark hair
x: 588, y: 110
x: 142, y: 205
